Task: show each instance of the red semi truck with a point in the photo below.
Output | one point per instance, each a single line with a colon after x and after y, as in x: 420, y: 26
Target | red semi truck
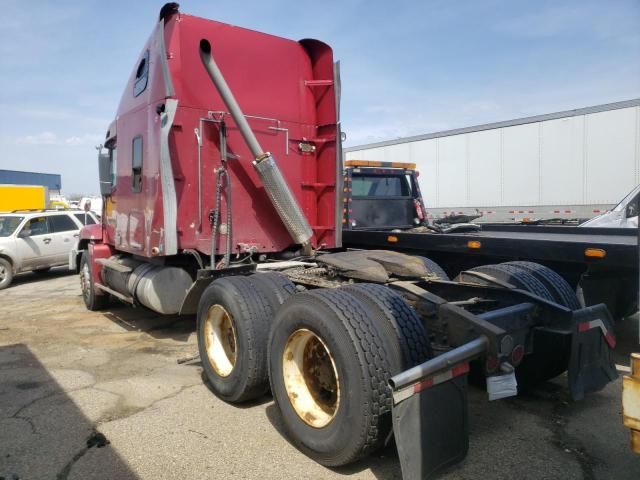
x: 199, y: 218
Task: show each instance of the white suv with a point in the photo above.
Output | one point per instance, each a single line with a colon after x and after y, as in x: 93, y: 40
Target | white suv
x: 38, y: 240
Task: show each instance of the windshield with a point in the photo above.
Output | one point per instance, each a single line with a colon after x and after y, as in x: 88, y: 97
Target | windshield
x: 626, y: 200
x: 8, y: 224
x: 380, y: 186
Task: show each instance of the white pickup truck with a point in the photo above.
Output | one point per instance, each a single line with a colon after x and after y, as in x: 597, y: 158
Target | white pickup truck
x: 623, y: 215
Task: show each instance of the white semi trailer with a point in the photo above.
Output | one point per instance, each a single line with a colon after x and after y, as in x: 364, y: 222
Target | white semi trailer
x: 566, y: 165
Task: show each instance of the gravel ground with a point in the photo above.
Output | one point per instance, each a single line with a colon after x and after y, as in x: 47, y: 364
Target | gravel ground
x: 69, y: 376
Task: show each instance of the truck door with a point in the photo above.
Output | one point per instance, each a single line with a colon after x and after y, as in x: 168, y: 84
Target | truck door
x: 34, y: 244
x: 63, y: 232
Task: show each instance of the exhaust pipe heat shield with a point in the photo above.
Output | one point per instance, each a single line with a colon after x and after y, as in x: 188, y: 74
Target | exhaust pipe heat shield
x: 283, y: 200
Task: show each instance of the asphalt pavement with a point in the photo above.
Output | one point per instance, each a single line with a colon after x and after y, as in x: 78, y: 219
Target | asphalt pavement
x: 101, y: 395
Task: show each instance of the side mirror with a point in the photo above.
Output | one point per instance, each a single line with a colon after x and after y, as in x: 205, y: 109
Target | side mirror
x: 104, y: 173
x: 24, y: 233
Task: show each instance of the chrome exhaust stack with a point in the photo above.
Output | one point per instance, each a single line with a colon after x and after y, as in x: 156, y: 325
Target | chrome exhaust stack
x: 274, y: 183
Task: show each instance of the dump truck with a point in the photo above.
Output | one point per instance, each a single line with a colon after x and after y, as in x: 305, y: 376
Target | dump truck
x: 226, y: 203
x: 23, y: 197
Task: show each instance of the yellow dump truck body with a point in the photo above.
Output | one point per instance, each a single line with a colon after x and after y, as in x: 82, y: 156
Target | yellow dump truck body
x: 23, y: 197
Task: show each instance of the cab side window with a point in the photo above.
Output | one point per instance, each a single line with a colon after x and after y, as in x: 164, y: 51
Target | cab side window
x: 61, y: 223
x: 136, y: 164
x: 142, y: 75
x: 37, y: 226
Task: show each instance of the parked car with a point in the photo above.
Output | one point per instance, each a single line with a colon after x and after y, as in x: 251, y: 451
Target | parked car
x: 38, y: 240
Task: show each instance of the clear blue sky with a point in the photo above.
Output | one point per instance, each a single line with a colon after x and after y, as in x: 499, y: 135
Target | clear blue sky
x: 407, y: 67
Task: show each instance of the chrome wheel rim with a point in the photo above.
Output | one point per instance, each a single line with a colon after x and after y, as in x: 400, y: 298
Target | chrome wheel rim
x: 311, y: 378
x: 85, y: 281
x: 220, y: 340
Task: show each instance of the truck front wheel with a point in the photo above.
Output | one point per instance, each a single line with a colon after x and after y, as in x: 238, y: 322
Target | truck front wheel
x: 329, y: 369
x: 92, y: 300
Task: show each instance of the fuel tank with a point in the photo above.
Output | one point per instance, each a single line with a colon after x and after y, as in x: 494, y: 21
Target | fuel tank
x: 160, y: 288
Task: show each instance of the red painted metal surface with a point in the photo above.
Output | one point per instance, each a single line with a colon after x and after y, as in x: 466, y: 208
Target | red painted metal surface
x: 96, y: 251
x: 91, y: 232
x: 287, y: 81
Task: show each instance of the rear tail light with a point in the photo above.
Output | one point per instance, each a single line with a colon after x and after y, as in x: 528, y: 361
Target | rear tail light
x: 517, y: 354
x: 491, y: 364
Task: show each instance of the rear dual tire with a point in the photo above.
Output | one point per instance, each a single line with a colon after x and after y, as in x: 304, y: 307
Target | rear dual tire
x: 433, y: 268
x: 335, y: 406
x: 559, y: 288
x: 330, y: 355
x: 233, y: 320
x: 398, y: 322
x: 550, y: 354
x: 515, y: 276
x: 534, y: 278
x: 275, y: 287
x: 233, y: 324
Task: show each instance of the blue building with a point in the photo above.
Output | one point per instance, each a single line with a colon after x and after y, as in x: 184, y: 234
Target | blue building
x: 14, y: 177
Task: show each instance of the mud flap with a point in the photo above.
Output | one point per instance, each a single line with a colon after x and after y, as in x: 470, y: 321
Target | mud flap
x: 431, y: 428
x: 591, y: 365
